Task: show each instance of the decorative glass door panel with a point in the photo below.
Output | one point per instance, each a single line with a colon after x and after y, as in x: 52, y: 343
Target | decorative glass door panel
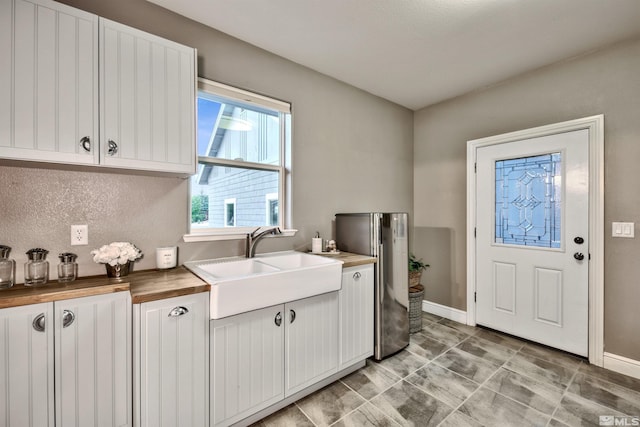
x: 528, y: 202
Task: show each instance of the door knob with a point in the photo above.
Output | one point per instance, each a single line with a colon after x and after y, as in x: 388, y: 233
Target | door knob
x: 579, y: 256
x: 579, y: 240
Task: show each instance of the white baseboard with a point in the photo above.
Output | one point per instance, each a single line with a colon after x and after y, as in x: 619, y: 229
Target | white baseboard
x: 622, y: 365
x: 444, y: 311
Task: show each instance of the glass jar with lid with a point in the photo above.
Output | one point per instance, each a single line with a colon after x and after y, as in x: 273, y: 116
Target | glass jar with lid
x: 68, y: 268
x: 7, y: 268
x: 36, y: 269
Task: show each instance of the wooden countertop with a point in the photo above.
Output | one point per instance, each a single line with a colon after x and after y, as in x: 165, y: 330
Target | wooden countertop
x: 145, y: 286
x: 53, y: 291
x: 349, y: 259
x: 153, y: 285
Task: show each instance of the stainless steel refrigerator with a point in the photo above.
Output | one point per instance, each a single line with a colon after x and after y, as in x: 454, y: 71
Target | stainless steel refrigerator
x: 384, y: 236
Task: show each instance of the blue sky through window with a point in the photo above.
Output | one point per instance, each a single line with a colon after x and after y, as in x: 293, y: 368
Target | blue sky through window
x: 207, y: 114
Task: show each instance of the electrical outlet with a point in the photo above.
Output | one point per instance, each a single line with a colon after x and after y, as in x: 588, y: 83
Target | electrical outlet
x: 79, y: 235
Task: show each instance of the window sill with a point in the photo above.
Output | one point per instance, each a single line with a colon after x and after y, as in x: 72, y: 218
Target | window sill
x: 228, y: 235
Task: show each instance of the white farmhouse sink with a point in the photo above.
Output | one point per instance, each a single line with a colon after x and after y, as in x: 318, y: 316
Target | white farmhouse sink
x: 239, y: 285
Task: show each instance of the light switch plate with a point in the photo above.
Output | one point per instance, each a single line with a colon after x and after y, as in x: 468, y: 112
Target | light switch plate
x: 623, y: 229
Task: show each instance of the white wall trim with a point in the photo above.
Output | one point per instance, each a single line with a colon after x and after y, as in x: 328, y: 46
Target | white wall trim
x: 444, y: 311
x: 595, y: 125
x: 622, y: 365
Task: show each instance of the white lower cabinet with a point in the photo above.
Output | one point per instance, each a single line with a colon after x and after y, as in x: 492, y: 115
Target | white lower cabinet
x: 356, y: 315
x: 172, y: 362
x: 260, y: 357
x: 311, y: 341
x: 26, y: 366
x: 81, y: 345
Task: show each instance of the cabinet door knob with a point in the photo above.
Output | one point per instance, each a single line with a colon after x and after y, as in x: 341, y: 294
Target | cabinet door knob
x: 278, y: 319
x: 292, y: 316
x: 178, y: 311
x: 38, y: 322
x: 356, y: 275
x: 85, y: 143
x: 113, y: 147
x: 67, y: 318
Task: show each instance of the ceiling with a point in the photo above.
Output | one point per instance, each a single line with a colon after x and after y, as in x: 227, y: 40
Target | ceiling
x: 419, y: 52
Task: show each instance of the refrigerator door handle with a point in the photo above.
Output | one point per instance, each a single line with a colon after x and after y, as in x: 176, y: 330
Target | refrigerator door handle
x: 380, y: 267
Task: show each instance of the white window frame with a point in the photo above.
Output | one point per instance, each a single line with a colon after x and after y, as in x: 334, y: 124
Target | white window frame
x: 283, y: 168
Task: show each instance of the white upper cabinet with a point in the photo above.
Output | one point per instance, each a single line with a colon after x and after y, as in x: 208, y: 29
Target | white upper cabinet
x: 78, y: 89
x: 48, y: 82
x: 147, y: 101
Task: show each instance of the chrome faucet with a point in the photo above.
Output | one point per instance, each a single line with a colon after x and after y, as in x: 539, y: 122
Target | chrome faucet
x: 253, y: 239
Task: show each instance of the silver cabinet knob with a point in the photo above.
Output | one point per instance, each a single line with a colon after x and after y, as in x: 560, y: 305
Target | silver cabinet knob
x: 356, y: 275
x: 67, y: 318
x: 292, y: 316
x: 38, y: 322
x: 85, y: 143
x: 112, y: 147
x: 278, y: 319
x: 178, y: 311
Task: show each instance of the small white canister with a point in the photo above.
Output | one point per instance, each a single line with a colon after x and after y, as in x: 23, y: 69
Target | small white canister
x: 166, y: 257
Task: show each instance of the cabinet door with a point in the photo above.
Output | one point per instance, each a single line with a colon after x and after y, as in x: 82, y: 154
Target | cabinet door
x: 26, y: 366
x: 93, y: 361
x: 174, y: 362
x: 356, y: 315
x: 311, y: 344
x: 48, y: 82
x: 247, y: 363
x: 147, y: 101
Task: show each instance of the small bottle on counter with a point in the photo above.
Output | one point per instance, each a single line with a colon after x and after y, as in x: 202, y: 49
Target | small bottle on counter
x: 7, y: 268
x: 68, y: 267
x: 36, y: 269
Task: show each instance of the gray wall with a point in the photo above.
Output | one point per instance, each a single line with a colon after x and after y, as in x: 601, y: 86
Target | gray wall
x: 605, y: 82
x: 351, y: 151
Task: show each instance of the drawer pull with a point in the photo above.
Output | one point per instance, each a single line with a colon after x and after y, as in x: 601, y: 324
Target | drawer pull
x: 38, y: 322
x: 178, y: 311
x: 67, y: 318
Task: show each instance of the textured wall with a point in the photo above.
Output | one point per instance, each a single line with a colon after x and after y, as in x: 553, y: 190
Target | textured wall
x: 603, y: 82
x: 351, y: 151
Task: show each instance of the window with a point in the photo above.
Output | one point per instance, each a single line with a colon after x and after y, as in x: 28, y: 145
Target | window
x: 230, y: 212
x: 242, y: 142
x: 271, y: 205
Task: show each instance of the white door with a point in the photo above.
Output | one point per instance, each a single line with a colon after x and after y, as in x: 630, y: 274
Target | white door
x: 26, y: 366
x: 247, y: 364
x: 311, y: 341
x: 174, y: 359
x: 48, y: 82
x: 356, y: 315
x: 93, y: 361
x: 532, y: 253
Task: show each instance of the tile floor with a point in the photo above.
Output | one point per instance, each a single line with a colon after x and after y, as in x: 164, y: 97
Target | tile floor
x: 455, y: 375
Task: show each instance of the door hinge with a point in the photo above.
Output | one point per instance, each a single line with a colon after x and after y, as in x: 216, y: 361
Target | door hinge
x: 475, y: 168
x: 475, y: 297
x: 475, y: 232
x: 589, y: 257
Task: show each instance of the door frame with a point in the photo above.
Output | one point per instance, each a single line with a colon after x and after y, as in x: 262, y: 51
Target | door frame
x: 595, y: 125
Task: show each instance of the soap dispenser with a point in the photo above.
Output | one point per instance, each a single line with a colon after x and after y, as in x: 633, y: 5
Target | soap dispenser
x: 7, y: 268
x: 36, y: 269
